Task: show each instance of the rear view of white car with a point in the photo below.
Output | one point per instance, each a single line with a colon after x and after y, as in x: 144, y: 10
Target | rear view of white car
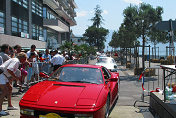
x: 107, y: 62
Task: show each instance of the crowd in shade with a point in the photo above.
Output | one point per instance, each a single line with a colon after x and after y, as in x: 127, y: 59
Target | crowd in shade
x: 19, y: 68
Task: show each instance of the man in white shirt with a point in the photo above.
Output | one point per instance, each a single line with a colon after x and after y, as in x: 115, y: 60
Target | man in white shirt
x: 10, y: 67
x: 57, y: 60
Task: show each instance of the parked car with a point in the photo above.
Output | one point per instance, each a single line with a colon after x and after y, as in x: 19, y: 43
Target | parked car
x: 72, y: 91
x: 107, y: 62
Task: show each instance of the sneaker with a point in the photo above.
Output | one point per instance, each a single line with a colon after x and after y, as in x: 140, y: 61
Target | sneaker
x: 3, y: 113
x: 12, y: 108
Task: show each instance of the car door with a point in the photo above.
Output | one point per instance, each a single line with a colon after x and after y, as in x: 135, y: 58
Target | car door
x: 113, y: 86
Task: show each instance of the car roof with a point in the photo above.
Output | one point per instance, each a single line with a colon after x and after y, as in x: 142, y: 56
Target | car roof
x: 82, y: 65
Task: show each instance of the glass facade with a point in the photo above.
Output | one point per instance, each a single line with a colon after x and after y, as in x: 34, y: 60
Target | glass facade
x: 23, y: 3
x: 37, y: 32
x: 37, y: 7
x: 18, y: 26
x: 21, y: 16
x: 49, y: 14
x: 2, y: 20
x: 52, y: 39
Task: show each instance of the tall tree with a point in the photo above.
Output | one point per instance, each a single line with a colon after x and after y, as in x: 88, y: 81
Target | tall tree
x: 97, y: 19
x: 114, y: 43
x: 148, y: 17
x: 143, y: 19
x: 96, y: 35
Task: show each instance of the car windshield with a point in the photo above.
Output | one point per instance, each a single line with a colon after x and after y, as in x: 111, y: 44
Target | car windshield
x: 106, y: 60
x: 77, y: 74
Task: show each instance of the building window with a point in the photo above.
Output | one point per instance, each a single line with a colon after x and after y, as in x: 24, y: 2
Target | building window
x: 50, y: 14
x: 37, y: 32
x: 18, y: 26
x: 23, y: 3
x: 37, y: 8
x: 2, y: 20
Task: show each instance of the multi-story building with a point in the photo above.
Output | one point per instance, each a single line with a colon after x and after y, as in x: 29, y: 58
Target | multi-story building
x: 45, y: 23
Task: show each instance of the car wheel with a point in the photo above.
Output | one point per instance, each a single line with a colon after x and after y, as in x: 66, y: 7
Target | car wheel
x: 118, y: 88
x: 107, y: 107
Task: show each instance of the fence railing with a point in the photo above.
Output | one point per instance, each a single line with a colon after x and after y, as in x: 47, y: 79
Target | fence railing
x: 151, y: 79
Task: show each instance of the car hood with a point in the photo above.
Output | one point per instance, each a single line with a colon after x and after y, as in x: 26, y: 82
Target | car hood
x: 59, y: 94
x: 107, y: 65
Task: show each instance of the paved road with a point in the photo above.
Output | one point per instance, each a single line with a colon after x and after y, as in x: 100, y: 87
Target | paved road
x: 124, y: 108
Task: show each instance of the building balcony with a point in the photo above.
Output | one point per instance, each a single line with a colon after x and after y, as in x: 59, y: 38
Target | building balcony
x: 61, y: 9
x: 56, y: 25
x: 72, y: 2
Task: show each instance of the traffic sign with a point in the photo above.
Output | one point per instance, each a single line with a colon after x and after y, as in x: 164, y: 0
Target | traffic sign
x: 166, y: 25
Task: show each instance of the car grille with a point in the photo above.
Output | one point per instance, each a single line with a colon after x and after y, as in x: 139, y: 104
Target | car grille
x: 37, y: 113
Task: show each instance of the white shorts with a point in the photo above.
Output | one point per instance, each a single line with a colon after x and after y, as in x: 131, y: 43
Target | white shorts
x: 3, y: 79
x: 35, y: 70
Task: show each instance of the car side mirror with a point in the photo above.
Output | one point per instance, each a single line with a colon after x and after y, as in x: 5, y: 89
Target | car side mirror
x: 112, y: 79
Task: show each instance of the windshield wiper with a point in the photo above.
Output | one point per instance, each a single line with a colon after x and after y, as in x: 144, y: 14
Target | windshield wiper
x: 83, y: 82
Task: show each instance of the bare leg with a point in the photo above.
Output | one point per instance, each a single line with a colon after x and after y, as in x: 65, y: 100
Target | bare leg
x: 9, y: 94
x: 3, y: 88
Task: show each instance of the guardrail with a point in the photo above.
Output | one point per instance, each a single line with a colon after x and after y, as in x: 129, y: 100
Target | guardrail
x: 150, y: 80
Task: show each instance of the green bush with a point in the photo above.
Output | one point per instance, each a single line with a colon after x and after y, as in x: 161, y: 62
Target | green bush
x: 170, y: 60
x: 163, y: 62
x: 149, y: 72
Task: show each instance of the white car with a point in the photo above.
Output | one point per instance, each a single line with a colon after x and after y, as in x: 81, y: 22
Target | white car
x: 107, y: 62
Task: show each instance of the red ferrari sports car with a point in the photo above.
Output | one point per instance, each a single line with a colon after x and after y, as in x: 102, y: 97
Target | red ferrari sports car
x: 72, y: 91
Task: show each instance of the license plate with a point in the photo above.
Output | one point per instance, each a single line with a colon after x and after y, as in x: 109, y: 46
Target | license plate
x: 50, y: 115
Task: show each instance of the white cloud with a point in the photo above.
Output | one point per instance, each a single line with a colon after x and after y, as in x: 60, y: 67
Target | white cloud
x: 133, y: 1
x: 105, y: 12
x: 82, y: 13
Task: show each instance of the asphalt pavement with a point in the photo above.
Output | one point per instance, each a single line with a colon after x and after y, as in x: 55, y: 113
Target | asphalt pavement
x: 129, y: 93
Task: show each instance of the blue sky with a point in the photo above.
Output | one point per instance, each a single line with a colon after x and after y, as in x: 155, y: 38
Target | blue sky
x: 113, y: 13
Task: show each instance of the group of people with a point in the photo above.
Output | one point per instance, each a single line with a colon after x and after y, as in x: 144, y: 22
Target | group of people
x: 15, y: 66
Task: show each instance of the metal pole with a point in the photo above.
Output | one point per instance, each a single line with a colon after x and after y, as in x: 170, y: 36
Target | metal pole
x: 152, y: 52
x: 172, y: 39
x: 158, y: 53
x: 164, y: 85
x: 166, y: 51
x: 149, y: 55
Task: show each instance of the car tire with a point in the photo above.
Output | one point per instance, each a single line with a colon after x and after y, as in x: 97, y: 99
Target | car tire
x: 118, y: 89
x: 107, y: 107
